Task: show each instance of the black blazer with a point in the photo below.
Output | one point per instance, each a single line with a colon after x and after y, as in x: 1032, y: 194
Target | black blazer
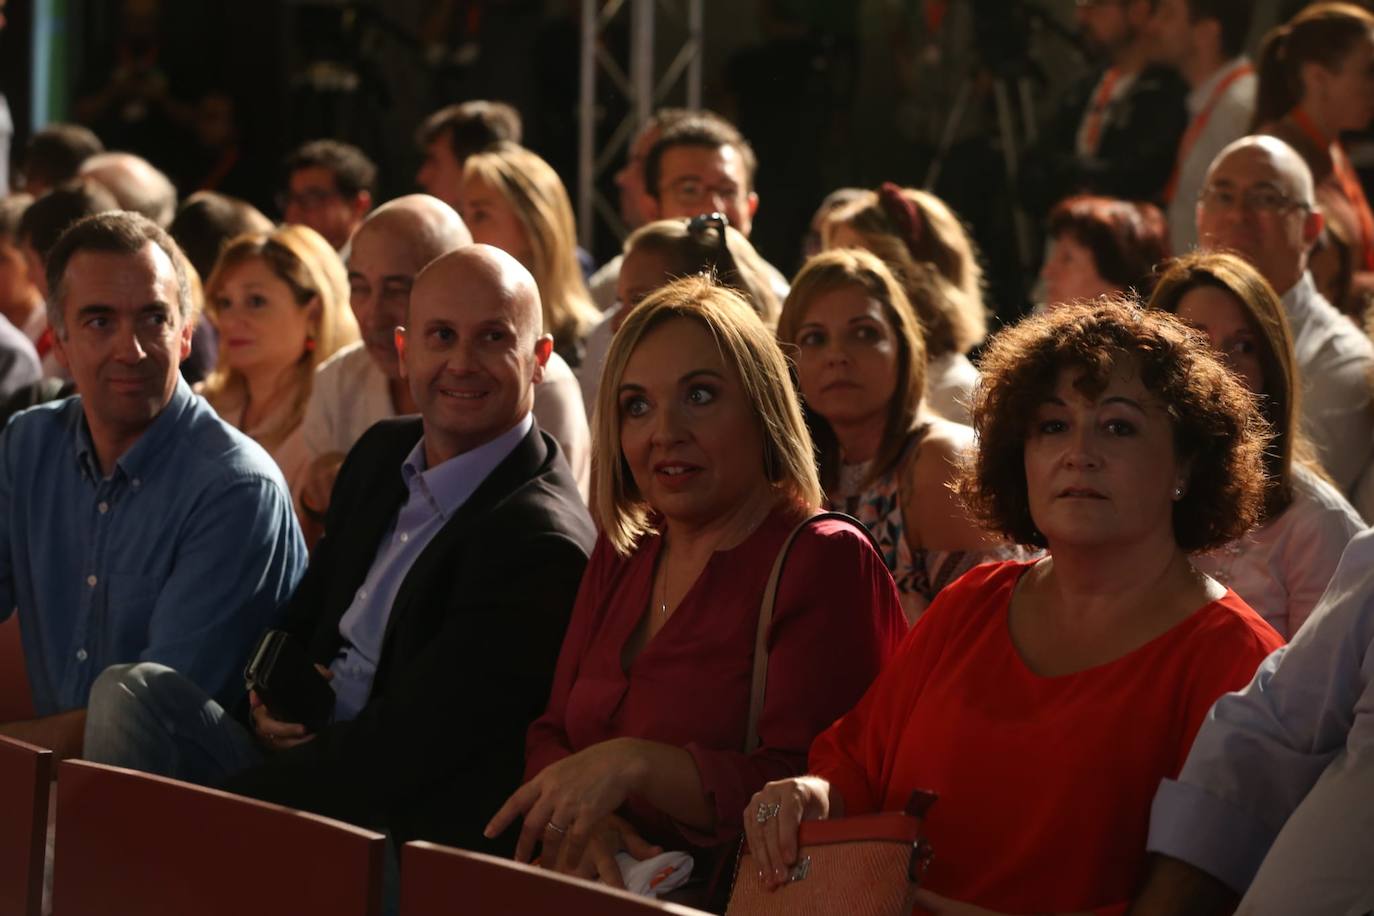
x: 469, y: 652
x: 1135, y: 153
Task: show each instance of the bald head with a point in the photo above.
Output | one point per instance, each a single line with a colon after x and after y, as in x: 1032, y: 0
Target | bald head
x: 135, y: 183
x: 1258, y: 202
x: 479, y: 271
x: 425, y: 226
x: 471, y: 350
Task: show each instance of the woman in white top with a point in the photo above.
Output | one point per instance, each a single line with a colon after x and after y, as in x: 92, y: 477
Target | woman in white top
x: 280, y: 302
x: 1283, y: 566
x: 927, y: 248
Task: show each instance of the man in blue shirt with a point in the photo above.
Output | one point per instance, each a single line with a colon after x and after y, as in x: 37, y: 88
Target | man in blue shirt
x: 134, y: 523
x: 1276, y: 801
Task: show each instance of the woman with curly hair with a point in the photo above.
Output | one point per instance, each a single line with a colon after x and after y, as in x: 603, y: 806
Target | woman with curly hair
x: 1283, y: 566
x: 1044, y: 701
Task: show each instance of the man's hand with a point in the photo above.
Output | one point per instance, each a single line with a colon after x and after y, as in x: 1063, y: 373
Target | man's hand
x: 274, y: 733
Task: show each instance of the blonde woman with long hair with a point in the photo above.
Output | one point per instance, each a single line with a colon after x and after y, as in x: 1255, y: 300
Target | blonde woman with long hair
x: 280, y: 302
x: 514, y: 200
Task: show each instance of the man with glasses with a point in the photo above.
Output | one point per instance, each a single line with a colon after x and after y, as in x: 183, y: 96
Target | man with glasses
x: 1257, y: 202
x: 329, y: 188
x: 701, y: 164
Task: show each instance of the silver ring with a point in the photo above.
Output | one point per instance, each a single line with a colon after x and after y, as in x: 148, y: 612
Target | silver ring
x: 766, y: 812
x: 555, y: 828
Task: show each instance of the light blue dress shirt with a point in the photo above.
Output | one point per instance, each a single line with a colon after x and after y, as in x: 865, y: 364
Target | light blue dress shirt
x: 1261, y: 750
x: 182, y: 555
x: 435, y: 494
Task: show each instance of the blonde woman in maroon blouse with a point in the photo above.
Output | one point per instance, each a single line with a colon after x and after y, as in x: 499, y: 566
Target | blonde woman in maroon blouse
x: 702, y: 465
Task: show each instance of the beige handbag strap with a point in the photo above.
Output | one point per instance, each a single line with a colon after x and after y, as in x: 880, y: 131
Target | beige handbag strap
x: 770, y: 595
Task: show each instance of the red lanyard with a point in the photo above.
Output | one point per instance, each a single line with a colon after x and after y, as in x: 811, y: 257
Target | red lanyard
x: 1097, y: 114
x: 1349, y: 181
x: 935, y: 12
x: 1199, y: 124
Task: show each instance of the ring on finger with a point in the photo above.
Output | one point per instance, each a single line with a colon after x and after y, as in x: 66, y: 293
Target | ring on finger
x: 555, y: 828
x: 766, y: 812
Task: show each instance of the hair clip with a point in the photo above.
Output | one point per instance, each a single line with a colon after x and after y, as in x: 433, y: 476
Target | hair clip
x: 903, y: 213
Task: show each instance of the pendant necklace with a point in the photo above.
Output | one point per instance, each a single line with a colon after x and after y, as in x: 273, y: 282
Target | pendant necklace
x: 663, y: 599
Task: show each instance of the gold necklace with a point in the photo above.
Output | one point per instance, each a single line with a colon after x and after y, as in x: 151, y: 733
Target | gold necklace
x: 663, y: 597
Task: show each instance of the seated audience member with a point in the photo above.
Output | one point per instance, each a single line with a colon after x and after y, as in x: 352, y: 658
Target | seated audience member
x: 135, y: 525
x: 1116, y: 132
x: 1258, y: 203
x: 40, y: 226
x: 362, y: 383
x: 629, y: 181
x: 329, y: 187
x: 1044, y: 701
x: 910, y: 231
x: 700, y: 164
x: 1100, y: 246
x: 280, y: 300
x: 884, y: 458
x: 1282, y: 567
x: 704, y: 466
x: 814, y: 242
x: 1204, y: 41
x: 136, y: 184
x: 514, y: 200
x: 54, y: 156
x: 1273, y: 803
x: 19, y: 300
x: 205, y: 221
x: 419, y: 599
x: 452, y: 134
x: 1314, y: 85
x: 666, y: 250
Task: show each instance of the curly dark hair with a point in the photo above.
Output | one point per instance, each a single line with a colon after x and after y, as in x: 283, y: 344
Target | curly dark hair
x: 1218, y: 428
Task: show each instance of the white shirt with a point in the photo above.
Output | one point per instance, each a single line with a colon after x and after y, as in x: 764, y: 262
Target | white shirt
x: 1335, y: 359
x: 950, y: 380
x: 1282, y: 568
x: 351, y: 394
x: 1230, y: 120
x: 597, y: 346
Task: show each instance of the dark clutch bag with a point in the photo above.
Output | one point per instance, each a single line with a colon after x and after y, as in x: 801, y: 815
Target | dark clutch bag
x: 281, y: 674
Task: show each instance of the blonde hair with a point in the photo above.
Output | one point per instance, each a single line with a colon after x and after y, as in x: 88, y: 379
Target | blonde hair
x: 692, y: 246
x: 841, y: 268
x: 301, y: 258
x: 745, y: 344
x: 908, y: 228
x: 540, y: 202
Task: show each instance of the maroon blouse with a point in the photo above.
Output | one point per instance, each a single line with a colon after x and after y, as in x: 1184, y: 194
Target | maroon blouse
x: 837, y: 619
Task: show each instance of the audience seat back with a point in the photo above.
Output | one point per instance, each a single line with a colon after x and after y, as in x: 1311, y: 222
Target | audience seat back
x: 16, y: 702
x: 440, y: 881
x: 131, y: 844
x: 25, y: 778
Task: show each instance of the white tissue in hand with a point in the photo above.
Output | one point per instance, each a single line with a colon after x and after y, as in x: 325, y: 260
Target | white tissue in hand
x: 653, y: 877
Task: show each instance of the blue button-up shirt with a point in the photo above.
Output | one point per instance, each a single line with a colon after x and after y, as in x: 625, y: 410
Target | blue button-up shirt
x: 1261, y: 750
x: 435, y: 494
x: 182, y: 555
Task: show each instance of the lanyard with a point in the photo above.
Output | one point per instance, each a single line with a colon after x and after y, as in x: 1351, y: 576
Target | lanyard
x: 1349, y: 181
x: 1199, y: 124
x: 1097, y: 114
x: 935, y: 12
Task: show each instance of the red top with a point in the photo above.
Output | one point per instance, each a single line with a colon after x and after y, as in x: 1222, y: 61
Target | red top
x: 836, y: 620
x: 1045, y: 783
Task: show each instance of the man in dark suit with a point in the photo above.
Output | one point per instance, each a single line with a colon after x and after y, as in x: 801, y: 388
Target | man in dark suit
x: 435, y: 604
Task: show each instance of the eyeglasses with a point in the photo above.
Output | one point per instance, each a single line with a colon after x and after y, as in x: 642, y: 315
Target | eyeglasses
x: 309, y: 199
x: 1260, y: 199
x: 692, y: 192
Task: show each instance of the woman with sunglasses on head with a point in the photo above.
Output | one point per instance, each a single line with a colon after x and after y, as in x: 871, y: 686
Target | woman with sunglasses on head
x: 1316, y: 82
x: 931, y: 254
x: 883, y: 456
x: 662, y: 251
x: 1283, y: 566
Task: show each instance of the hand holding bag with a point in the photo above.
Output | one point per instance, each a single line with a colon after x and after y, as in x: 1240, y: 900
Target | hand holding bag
x: 869, y: 865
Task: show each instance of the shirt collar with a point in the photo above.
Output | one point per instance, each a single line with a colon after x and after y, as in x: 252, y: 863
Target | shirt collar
x: 140, y: 458
x: 1198, y: 98
x: 448, y: 485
